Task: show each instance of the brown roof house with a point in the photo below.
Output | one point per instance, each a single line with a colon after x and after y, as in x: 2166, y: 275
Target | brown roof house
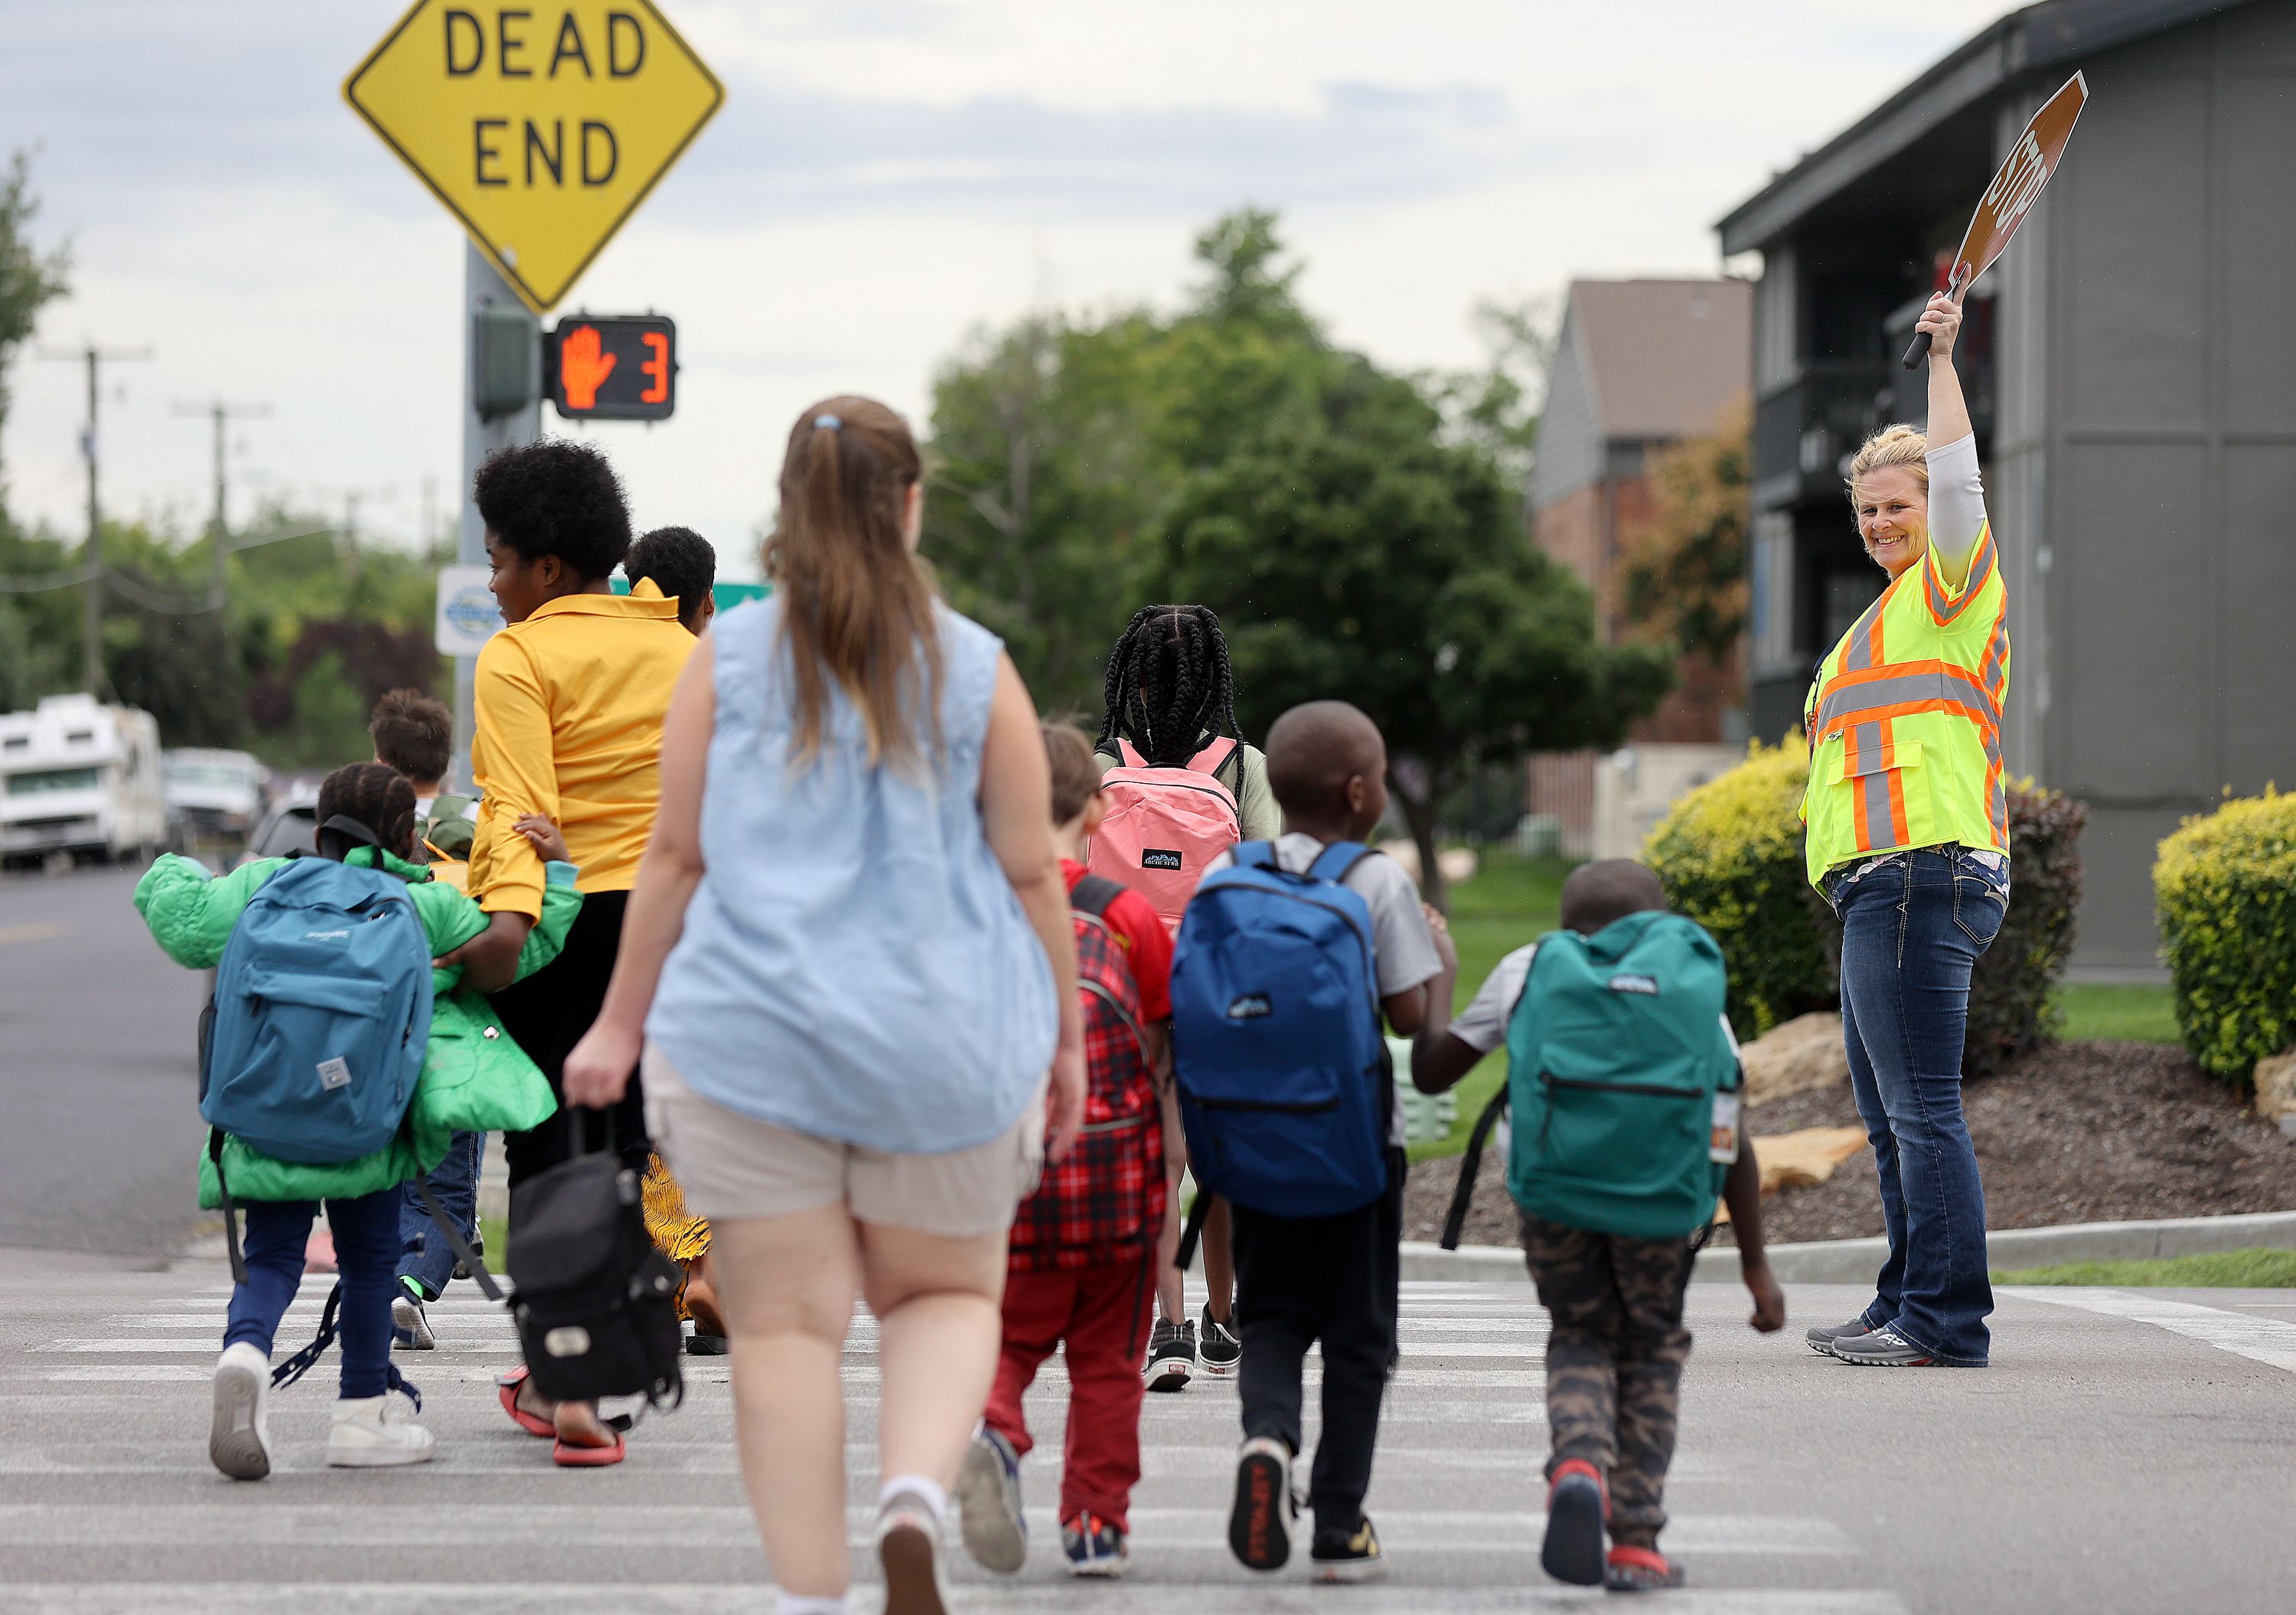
x: 1640, y: 366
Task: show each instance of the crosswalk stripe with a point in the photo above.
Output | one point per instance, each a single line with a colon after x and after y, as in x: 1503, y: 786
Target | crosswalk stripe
x: 2259, y: 1340
x: 1227, y: 1596
x: 708, y: 1524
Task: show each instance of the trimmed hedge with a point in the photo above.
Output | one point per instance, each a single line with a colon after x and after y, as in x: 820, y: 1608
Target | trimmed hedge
x: 2225, y: 886
x: 1730, y: 856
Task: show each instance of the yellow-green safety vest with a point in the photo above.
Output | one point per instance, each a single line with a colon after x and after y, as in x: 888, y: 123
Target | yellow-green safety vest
x: 1904, y: 719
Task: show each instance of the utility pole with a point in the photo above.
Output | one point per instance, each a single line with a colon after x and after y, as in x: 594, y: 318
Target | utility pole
x: 92, y: 620
x: 220, y: 525
x: 501, y: 404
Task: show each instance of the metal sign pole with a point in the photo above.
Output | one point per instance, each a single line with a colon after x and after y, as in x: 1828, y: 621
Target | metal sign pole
x: 483, y: 289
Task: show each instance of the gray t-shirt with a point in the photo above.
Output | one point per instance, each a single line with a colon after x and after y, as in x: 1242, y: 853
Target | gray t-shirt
x: 1402, y: 945
x: 1482, y: 1025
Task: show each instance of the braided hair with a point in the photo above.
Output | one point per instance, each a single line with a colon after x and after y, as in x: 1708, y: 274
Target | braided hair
x: 1169, y: 683
x: 377, y: 796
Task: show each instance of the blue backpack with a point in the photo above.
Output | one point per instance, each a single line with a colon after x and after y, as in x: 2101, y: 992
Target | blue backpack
x: 322, y: 1015
x: 1282, y: 1075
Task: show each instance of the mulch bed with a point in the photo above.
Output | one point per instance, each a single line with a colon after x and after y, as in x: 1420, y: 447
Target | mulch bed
x: 2075, y: 1133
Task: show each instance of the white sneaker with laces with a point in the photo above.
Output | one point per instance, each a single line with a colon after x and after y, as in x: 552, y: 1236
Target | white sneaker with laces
x: 239, y: 1441
x: 376, y: 1432
x: 408, y: 1318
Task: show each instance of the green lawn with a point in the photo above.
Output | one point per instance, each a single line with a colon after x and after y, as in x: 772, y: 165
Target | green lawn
x: 2221, y: 1270
x: 2131, y: 1015
x: 1511, y: 901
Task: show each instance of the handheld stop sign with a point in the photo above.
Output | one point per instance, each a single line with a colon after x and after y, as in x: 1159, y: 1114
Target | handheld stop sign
x: 2010, y: 195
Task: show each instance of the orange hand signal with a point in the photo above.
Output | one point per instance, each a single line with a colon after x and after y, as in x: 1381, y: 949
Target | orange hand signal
x: 583, y: 366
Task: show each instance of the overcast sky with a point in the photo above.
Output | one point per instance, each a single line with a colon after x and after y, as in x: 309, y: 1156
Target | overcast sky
x: 885, y: 175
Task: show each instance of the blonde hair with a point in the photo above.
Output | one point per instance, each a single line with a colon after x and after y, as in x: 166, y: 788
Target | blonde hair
x: 1896, y: 445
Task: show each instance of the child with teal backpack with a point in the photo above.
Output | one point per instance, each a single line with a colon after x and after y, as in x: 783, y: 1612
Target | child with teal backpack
x: 1624, y: 1081
x: 336, y: 1041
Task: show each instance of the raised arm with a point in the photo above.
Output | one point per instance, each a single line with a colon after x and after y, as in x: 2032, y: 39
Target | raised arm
x: 598, y: 1070
x: 1957, y: 518
x: 1016, y: 813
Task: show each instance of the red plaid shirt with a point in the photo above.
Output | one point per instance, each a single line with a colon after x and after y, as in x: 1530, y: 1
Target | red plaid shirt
x: 1104, y: 1199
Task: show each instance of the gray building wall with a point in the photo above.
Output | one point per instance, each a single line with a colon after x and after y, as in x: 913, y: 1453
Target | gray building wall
x: 2144, y: 456
x: 2141, y: 463
x: 1570, y: 423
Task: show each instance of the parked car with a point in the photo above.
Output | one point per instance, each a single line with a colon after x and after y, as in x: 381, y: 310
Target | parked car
x: 80, y: 778
x: 291, y: 825
x: 213, y: 795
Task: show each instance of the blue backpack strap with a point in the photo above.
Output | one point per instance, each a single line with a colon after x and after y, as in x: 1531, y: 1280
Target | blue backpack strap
x: 1335, y: 860
x: 1254, y: 855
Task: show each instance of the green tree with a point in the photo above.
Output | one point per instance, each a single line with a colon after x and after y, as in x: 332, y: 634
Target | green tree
x: 27, y: 280
x: 1364, y: 558
x: 1686, y: 572
x: 1044, y: 479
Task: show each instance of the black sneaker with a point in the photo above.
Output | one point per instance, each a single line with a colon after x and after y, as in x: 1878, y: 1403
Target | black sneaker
x: 1578, y: 1506
x: 1822, y: 1337
x: 1095, y: 1547
x: 1259, y: 1525
x: 1347, y: 1557
x: 1220, y: 1351
x: 1172, y: 1355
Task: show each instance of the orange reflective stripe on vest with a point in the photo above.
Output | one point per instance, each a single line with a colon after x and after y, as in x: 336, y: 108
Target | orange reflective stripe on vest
x: 1904, y: 720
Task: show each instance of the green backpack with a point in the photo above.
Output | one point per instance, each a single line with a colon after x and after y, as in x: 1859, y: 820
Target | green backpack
x: 449, y: 828
x: 1615, y: 1051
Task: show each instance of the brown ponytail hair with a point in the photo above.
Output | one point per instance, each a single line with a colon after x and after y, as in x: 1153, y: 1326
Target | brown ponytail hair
x: 855, y: 604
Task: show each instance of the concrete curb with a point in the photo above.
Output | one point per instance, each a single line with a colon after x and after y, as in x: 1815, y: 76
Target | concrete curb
x: 1855, y: 1261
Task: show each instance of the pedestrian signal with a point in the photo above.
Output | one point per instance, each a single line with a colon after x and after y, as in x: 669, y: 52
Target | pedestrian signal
x: 612, y: 367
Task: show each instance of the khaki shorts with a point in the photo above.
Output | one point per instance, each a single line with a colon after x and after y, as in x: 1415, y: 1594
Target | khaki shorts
x: 734, y: 1166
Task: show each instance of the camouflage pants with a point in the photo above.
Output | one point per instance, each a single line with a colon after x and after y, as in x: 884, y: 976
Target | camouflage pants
x: 1614, y: 1361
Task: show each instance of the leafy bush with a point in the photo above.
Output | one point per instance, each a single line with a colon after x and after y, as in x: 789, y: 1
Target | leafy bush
x: 2225, y: 885
x: 2010, y: 1007
x: 1730, y: 856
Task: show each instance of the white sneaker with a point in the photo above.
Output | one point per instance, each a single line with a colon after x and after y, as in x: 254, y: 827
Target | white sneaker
x: 908, y: 1547
x: 375, y: 1432
x: 239, y: 1441
x: 407, y: 1318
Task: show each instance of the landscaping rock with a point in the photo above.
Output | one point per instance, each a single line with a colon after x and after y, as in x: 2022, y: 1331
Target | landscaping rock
x: 2275, y: 1091
x: 1802, y: 1159
x: 1803, y: 1054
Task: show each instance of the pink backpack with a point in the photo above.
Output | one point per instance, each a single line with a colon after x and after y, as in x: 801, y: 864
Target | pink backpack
x: 1165, y: 826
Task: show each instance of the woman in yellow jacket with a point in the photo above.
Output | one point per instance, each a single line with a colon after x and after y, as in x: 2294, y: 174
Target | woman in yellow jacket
x: 1908, y: 839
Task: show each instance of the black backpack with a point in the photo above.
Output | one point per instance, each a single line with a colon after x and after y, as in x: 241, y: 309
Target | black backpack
x: 595, y: 1301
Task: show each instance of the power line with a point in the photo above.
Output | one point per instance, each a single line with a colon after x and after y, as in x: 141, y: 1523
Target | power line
x: 219, y: 526
x: 92, y: 620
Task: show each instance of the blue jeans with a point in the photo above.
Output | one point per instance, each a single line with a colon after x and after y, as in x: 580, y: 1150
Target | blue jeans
x: 367, y: 1249
x: 424, y: 1255
x: 1912, y: 931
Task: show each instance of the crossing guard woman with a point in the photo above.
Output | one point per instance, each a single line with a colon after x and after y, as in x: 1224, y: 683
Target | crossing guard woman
x: 1908, y: 839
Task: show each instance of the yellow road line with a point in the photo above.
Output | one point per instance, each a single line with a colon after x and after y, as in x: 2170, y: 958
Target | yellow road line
x: 33, y: 933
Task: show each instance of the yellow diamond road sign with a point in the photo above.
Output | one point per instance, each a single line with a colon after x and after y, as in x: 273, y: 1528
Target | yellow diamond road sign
x: 541, y: 127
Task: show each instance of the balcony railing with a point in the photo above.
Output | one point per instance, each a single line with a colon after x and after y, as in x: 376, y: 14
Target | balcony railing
x: 1803, y: 429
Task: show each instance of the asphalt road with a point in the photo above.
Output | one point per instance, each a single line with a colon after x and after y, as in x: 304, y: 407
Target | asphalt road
x: 2106, y: 1462
x: 98, y: 1126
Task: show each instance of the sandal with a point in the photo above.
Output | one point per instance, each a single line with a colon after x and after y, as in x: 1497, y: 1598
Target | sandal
x: 567, y: 1456
x: 1640, y: 1569
x: 506, y: 1388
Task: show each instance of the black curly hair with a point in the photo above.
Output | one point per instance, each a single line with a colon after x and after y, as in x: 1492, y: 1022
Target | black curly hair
x: 375, y: 795
x: 556, y: 497
x: 1168, y: 684
x: 681, y: 563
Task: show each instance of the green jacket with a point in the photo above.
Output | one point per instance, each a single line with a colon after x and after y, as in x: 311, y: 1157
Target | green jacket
x: 474, y: 1078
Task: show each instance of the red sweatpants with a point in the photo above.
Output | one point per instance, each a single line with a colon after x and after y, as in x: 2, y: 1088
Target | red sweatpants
x: 1101, y: 1314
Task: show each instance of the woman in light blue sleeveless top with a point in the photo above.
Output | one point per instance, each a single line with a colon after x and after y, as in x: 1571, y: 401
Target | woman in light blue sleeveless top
x: 849, y: 961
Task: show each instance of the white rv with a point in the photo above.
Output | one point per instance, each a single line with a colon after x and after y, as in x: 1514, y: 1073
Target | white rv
x: 82, y: 778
